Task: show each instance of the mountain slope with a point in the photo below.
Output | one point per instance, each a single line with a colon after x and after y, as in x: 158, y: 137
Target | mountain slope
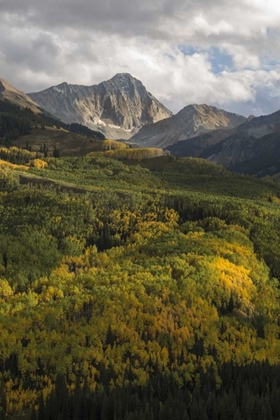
x: 10, y: 93
x: 117, y: 107
x: 198, y: 146
x: 191, y: 121
x: 253, y: 148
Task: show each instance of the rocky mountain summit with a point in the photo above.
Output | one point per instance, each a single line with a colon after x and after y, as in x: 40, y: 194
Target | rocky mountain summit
x: 10, y: 93
x: 191, y: 121
x: 118, y: 107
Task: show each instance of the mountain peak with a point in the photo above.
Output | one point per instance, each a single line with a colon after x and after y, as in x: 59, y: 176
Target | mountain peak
x: 4, y: 85
x: 117, y: 107
x: 198, y: 108
x: 123, y: 76
x: 63, y: 84
x: 126, y: 83
x: 202, y: 108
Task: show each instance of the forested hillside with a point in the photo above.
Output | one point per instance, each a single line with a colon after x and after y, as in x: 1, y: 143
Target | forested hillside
x: 17, y: 122
x: 137, y: 290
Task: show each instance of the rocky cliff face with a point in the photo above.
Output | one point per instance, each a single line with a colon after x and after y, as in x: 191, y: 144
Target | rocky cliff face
x: 191, y: 121
x: 9, y: 92
x: 117, y: 107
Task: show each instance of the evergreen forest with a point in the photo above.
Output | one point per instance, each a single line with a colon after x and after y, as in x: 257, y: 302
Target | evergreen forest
x: 16, y: 122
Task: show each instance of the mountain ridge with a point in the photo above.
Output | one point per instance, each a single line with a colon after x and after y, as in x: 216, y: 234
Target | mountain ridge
x: 16, y: 96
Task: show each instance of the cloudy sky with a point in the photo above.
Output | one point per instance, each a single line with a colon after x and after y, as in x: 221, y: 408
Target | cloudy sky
x: 220, y: 52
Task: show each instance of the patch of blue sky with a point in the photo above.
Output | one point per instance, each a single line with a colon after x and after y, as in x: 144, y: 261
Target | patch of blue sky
x: 189, y: 50
x: 269, y: 63
x: 219, y: 59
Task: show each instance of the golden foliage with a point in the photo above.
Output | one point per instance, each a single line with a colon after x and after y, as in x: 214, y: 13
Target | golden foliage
x: 9, y: 165
x: 38, y: 163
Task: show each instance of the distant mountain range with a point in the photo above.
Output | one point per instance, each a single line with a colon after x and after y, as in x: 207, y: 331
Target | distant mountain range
x: 253, y: 147
x: 121, y: 108
x: 191, y: 121
x: 118, y: 107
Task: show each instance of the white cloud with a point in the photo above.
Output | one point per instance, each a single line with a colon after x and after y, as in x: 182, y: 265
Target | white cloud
x: 242, y: 58
x: 88, y: 41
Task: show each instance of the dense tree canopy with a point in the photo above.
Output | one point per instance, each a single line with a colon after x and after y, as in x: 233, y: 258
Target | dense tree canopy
x: 143, y: 289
